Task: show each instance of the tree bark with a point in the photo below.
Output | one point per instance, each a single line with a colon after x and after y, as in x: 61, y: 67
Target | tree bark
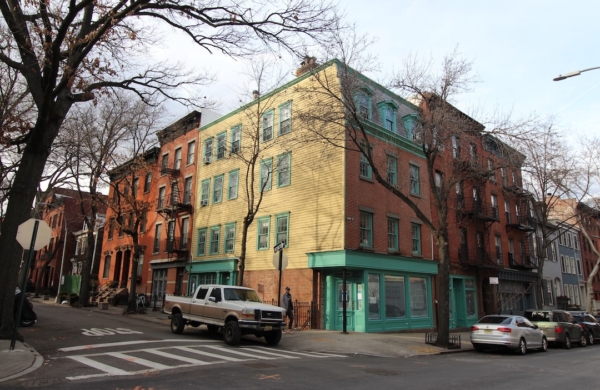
x: 443, y: 336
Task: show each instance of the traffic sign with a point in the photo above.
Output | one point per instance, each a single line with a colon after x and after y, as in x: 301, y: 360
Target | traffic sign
x: 284, y: 261
x: 279, y: 246
x: 25, y: 234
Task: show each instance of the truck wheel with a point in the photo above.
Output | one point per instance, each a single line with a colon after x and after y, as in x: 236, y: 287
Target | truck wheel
x: 177, y: 323
x: 567, y: 342
x: 212, y: 328
x: 231, y: 333
x: 273, y: 337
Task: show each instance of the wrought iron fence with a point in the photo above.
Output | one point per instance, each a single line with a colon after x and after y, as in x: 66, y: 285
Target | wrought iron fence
x: 304, y: 313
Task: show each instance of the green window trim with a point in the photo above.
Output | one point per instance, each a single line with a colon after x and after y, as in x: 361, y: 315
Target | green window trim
x: 282, y: 227
x: 215, y: 239
x: 416, y: 238
x: 393, y: 225
x: 218, y: 189
x: 221, y: 145
x: 267, y: 126
x: 201, y: 243
x: 205, y: 192
x: 392, y: 170
x: 365, y: 169
x: 263, y: 227
x: 388, y: 111
x: 229, y: 242
x: 363, y: 102
x: 207, y: 151
x: 235, y: 139
x: 285, y: 119
x: 234, y: 179
x: 266, y: 169
x: 410, y: 121
x: 415, y: 187
x: 366, y: 229
x: 284, y: 174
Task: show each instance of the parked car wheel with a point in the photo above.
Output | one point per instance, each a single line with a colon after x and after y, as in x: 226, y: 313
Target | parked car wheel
x: 583, y: 341
x: 177, y: 323
x: 273, y: 337
x: 26, y: 323
x: 567, y: 342
x: 231, y: 333
x: 590, y: 338
x: 522, y: 349
x: 544, y: 347
x: 213, y: 328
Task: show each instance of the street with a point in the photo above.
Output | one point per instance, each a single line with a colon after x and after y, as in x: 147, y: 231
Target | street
x: 84, y: 349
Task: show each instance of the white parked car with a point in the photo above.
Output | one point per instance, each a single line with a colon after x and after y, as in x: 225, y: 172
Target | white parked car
x: 510, y: 331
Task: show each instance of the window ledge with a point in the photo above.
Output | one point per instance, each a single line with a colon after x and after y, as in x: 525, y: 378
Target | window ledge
x: 415, y: 195
x: 367, y: 249
x: 417, y: 255
x: 367, y: 179
x: 393, y: 251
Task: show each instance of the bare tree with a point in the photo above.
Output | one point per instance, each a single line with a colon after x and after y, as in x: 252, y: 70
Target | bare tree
x: 94, y: 140
x: 69, y: 53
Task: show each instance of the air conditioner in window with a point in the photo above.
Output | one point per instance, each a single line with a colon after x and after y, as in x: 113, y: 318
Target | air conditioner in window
x: 204, y: 203
x: 207, y: 160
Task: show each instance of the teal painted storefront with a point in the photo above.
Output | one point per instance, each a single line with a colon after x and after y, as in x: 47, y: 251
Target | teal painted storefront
x: 463, y: 301
x: 384, y: 292
x: 222, y: 271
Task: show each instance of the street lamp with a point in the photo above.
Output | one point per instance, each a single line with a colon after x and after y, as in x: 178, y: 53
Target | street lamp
x: 571, y: 74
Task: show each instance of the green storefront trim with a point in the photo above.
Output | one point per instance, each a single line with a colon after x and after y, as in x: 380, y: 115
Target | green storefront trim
x: 359, y: 266
x: 219, y: 266
x: 459, y: 302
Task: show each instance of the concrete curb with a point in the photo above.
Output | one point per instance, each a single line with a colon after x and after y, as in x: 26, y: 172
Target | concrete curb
x: 38, y: 360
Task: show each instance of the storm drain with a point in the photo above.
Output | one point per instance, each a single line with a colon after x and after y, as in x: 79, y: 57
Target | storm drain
x: 49, y: 353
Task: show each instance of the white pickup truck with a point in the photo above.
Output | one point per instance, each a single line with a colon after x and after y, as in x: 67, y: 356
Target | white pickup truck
x: 237, y: 310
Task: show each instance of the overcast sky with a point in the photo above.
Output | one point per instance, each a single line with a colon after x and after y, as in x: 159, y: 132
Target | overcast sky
x: 518, y: 47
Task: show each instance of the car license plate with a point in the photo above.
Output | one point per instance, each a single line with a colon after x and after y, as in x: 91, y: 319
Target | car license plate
x: 488, y: 331
x: 268, y: 327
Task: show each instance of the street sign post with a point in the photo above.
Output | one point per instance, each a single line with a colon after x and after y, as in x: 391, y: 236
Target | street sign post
x: 280, y: 263
x: 35, y: 234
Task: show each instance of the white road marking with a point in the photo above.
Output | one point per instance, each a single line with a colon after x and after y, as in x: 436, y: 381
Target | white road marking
x: 158, y: 352
x: 269, y: 353
x: 210, y: 354
x: 100, y: 366
x: 239, y: 353
x: 137, y: 360
x: 93, y: 346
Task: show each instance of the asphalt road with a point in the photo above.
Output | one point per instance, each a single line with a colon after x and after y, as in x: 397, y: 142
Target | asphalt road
x: 85, y: 350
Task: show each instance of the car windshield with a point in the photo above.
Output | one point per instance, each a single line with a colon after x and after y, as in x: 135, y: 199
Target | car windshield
x: 539, y: 316
x: 589, y: 318
x: 496, y: 320
x: 240, y: 294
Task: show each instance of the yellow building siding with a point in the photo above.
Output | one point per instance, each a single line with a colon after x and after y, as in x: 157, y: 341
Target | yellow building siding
x: 314, y: 199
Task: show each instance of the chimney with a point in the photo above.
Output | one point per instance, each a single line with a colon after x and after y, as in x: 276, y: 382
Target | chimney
x: 307, y: 65
x: 255, y: 94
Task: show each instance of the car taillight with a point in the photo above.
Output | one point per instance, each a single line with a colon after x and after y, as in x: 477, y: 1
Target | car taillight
x: 558, y: 329
x: 504, y: 329
x: 474, y: 328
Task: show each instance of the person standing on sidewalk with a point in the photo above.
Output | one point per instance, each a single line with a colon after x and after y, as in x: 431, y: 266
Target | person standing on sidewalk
x: 286, y: 303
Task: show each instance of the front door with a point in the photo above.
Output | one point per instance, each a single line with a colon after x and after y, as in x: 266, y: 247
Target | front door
x: 353, y: 299
x: 458, y: 311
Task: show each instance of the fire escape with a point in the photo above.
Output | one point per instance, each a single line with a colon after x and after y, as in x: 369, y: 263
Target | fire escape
x: 523, y: 221
x: 170, y: 207
x: 475, y: 213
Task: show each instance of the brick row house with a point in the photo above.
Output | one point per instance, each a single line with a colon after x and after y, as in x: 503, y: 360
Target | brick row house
x: 61, y: 209
x: 165, y: 182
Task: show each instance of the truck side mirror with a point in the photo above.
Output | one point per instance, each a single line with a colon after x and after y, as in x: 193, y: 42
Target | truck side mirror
x: 212, y: 299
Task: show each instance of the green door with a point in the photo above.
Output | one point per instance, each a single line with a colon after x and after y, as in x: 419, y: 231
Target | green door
x: 353, y: 299
x: 459, y: 312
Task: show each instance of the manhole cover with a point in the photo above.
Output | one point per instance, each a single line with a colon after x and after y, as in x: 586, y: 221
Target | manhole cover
x: 49, y: 353
x: 260, y: 365
x: 41, y: 382
x: 382, y: 372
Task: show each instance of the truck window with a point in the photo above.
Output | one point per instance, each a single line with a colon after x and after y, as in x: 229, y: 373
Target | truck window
x: 216, y: 293
x: 202, y: 293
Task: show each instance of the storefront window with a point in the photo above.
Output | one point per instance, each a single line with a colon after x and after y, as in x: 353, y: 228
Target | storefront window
x: 418, y: 297
x: 395, y: 304
x: 373, y: 297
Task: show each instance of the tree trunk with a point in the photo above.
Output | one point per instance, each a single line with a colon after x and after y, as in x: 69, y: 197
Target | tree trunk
x: 84, y: 297
x: 242, y: 264
x: 21, y: 197
x: 443, y: 337
x: 132, y: 303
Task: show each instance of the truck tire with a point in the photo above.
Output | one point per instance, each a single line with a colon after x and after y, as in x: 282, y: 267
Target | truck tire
x: 231, y: 333
x: 273, y: 337
x: 177, y: 323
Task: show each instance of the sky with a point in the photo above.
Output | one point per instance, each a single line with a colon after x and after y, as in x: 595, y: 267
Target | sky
x: 517, y: 48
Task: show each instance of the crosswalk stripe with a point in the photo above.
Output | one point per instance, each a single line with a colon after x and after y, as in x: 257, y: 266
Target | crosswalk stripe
x: 314, y: 354
x: 175, y: 357
x: 105, y: 345
x: 137, y: 360
x: 239, y: 353
x: 100, y: 366
x: 210, y: 354
x: 269, y: 353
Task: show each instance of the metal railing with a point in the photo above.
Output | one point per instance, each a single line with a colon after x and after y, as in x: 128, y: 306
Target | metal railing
x: 303, y: 313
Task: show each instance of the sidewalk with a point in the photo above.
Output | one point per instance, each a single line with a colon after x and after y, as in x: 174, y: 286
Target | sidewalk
x: 25, y: 359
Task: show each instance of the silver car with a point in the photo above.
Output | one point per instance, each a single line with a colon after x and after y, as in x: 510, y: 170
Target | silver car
x: 510, y: 331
